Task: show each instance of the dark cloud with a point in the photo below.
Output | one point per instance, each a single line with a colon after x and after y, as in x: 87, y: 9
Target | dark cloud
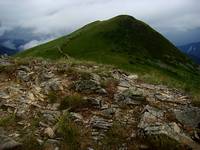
x: 176, y: 19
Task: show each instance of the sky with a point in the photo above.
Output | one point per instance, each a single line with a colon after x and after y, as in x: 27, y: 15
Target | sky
x: 37, y: 21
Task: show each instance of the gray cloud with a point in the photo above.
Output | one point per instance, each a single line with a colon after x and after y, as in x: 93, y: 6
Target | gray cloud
x: 174, y: 18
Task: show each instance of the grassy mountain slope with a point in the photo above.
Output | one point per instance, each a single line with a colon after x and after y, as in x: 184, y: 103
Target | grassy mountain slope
x: 129, y: 44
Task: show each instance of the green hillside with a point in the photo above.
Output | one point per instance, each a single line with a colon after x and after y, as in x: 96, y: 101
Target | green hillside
x: 127, y: 43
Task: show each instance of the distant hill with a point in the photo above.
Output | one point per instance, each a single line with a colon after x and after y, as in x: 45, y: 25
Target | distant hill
x: 192, y: 50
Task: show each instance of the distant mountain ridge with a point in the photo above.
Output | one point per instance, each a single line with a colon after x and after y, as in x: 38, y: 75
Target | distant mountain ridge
x: 192, y: 50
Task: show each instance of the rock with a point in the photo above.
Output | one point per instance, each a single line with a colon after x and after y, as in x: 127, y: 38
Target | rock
x: 153, y: 123
x: 24, y: 68
x: 47, y: 75
x: 87, y: 86
x: 52, y: 85
x: 49, y: 132
x: 23, y: 75
x: 76, y: 117
x: 133, y: 76
x: 100, y: 123
x: 130, y: 97
x: 151, y: 116
x: 52, y: 144
x: 6, y: 143
x: 95, y: 102
x: 108, y: 113
x: 4, y: 95
x: 50, y: 116
x: 196, y: 136
x: 189, y: 116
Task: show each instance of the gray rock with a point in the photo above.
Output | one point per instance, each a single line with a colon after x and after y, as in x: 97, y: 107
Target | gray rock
x: 23, y: 75
x: 76, y: 117
x: 24, y: 68
x: 87, y: 86
x: 7, y: 143
x: 52, y: 85
x: 130, y: 97
x: 153, y: 123
x: 151, y: 116
x: 47, y: 75
x: 108, y: 113
x: 100, y: 123
x: 95, y: 102
x: 189, y: 116
x: 52, y: 144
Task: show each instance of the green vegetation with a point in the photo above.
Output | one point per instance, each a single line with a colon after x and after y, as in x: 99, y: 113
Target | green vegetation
x: 163, y: 142
x: 72, y: 102
x: 74, y: 137
x: 129, y: 44
x: 7, y: 120
x: 30, y: 142
x: 117, y: 136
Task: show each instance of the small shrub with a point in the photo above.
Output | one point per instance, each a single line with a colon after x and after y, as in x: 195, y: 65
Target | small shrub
x: 163, y: 142
x: 30, y: 142
x: 8, y: 120
x: 52, y: 97
x: 70, y: 132
x: 116, y: 136
x: 73, y: 102
x: 110, y: 86
x: 10, y: 69
x: 85, y: 75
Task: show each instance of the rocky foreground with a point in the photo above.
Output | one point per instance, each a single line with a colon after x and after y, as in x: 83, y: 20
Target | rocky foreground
x: 68, y: 105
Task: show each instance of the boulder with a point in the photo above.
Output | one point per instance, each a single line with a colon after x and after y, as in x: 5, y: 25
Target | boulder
x: 100, y: 123
x: 131, y: 96
x: 87, y: 86
x: 189, y: 116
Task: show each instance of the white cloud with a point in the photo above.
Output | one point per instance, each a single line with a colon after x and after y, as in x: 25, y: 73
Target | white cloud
x: 34, y: 43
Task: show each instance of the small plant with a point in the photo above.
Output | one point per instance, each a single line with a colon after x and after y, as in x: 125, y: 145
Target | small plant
x: 75, y: 101
x: 52, y: 97
x: 110, y: 86
x: 7, y: 121
x: 30, y: 142
x: 70, y: 132
x: 85, y: 75
x: 116, y: 136
x: 163, y: 142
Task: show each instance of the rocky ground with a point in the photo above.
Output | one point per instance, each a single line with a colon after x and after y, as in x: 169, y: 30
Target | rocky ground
x: 67, y: 105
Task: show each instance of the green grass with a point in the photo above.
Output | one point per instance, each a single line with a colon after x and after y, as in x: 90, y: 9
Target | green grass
x: 73, y: 102
x: 128, y: 44
x: 74, y: 136
x: 7, y: 120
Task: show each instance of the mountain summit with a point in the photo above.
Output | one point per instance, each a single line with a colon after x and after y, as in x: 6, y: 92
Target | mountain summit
x: 102, y: 39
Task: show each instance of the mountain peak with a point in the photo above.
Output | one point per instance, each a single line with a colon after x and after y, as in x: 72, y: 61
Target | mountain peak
x: 123, y: 17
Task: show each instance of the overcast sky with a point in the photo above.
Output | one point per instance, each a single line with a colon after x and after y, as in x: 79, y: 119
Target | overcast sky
x: 178, y: 20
